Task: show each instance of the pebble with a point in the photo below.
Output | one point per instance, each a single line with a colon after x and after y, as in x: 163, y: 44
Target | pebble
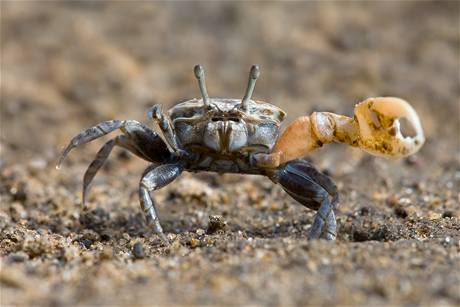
x: 433, y: 215
x: 447, y: 240
x: 106, y: 253
x: 18, y: 257
x: 448, y: 214
x: 216, y: 223
x: 87, y: 243
x: 400, y: 212
x: 138, y: 250
x: 194, y: 242
x: 17, y: 211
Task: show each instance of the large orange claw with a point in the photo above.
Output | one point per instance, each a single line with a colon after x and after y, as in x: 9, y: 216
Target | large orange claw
x: 376, y: 128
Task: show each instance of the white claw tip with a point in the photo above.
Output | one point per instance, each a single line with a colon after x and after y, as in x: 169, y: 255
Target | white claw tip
x: 379, y: 123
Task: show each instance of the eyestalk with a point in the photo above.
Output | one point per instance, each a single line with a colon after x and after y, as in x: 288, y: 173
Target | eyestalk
x: 199, y: 74
x: 253, y: 75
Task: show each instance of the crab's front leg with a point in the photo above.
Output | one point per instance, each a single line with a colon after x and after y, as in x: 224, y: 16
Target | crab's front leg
x: 375, y: 128
x: 312, y: 189
x: 155, y: 177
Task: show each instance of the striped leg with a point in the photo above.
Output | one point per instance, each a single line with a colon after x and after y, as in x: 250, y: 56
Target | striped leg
x: 324, y: 217
x: 154, y: 178
x: 100, y: 159
x: 89, y: 135
x: 146, y: 141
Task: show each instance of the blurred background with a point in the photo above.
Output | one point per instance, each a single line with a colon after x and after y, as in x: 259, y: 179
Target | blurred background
x: 66, y: 66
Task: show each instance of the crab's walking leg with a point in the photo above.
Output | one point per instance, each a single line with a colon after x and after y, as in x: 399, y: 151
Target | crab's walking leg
x: 99, y: 130
x: 100, y: 159
x: 88, y: 135
x: 154, y: 178
x: 313, y: 190
x: 145, y: 140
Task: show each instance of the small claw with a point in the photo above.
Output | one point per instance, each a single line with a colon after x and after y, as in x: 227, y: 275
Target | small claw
x: 154, y: 112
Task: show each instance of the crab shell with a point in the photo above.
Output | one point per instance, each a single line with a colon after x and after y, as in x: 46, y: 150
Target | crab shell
x: 224, y: 127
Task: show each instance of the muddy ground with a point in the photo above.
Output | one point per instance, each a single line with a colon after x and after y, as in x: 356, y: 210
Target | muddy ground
x: 70, y: 65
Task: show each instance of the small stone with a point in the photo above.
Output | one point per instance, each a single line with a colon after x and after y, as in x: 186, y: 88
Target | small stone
x: 86, y: 243
x: 17, y: 211
x: 392, y: 201
x: 412, y: 211
x: 36, y: 246
x: 448, y: 240
x: 105, y: 236
x: 216, y: 223
x: 18, y: 257
x: 200, y: 232
x: 69, y: 253
x: 364, y: 211
x: 37, y: 165
x: 106, y: 253
x: 19, y: 192
x: 91, y: 235
x: 413, y: 161
x: 400, y: 212
x: 138, y: 250
x: 448, y: 214
x: 433, y: 215
x: 194, y: 242
x: 436, y: 201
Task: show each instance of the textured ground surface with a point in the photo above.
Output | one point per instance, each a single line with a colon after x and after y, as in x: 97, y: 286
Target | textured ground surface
x: 66, y: 67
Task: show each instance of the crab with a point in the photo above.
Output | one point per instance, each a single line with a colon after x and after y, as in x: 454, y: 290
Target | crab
x: 227, y: 135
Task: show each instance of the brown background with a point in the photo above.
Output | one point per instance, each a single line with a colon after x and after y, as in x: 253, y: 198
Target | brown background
x: 67, y: 66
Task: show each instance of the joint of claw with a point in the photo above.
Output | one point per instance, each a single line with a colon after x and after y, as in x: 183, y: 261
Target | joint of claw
x: 375, y: 128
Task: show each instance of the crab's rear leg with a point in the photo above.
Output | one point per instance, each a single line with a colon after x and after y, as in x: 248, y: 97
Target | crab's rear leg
x: 314, y: 190
x: 154, y: 178
x: 89, y: 135
x: 143, y: 138
x: 102, y: 156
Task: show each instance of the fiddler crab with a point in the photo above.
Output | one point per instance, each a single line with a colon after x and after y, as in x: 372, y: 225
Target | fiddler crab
x: 227, y: 135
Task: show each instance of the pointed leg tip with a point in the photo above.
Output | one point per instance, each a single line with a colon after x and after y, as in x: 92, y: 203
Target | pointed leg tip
x: 164, y: 239
x: 60, y: 160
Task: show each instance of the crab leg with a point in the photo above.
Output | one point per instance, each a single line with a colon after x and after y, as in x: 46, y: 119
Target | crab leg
x: 375, y: 128
x: 147, y: 142
x: 312, y: 189
x: 154, y: 178
x: 100, y: 159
